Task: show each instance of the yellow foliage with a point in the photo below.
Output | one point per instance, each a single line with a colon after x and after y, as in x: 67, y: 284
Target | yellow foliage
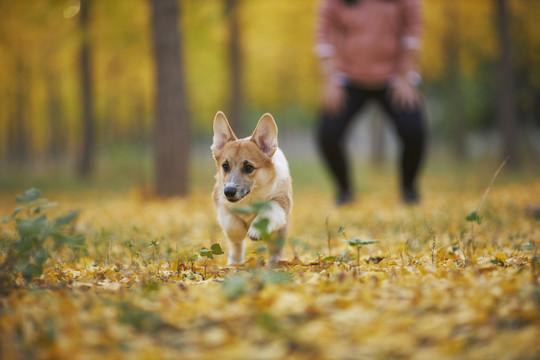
x: 435, y: 286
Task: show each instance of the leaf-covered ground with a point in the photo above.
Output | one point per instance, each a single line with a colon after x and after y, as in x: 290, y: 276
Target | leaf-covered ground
x: 434, y: 286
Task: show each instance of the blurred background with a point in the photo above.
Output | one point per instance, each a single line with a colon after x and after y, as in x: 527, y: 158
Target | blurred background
x: 81, y: 103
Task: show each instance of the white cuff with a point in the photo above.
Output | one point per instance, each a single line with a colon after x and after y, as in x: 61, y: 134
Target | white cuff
x: 340, y: 79
x: 324, y: 50
x: 413, y: 78
x: 411, y: 42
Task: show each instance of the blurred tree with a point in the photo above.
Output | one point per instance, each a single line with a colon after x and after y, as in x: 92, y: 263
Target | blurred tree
x: 526, y: 40
x: 57, y: 140
x: 20, y: 130
x: 171, y: 142
x: 16, y: 81
x: 235, y: 65
x: 506, y: 98
x: 451, y: 50
x: 123, y: 71
x: 274, y: 51
x: 86, y: 156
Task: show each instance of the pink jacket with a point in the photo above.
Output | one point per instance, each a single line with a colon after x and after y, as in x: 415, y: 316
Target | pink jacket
x: 368, y: 37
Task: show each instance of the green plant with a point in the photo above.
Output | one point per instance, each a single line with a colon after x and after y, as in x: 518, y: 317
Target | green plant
x: 321, y: 258
x: 358, y: 243
x: 134, y: 252
x: 215, y: 249
x: 344, y: 257
x: 474, y: 216
x: 35, y: 237
x: 154, y: 246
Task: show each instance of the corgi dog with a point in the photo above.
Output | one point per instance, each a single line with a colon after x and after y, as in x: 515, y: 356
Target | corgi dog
x: 251, y: 169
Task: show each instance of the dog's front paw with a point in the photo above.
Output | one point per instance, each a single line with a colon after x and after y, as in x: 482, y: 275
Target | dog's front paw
x: 259, y: 229
x: 254, y: 234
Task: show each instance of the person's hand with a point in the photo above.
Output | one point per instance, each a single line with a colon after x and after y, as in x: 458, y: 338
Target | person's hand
x: 405, y: 95
x: 334, y: 97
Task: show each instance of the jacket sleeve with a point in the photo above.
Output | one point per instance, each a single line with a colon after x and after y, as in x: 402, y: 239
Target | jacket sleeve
x: 325, y: 20
x: 412, y: 24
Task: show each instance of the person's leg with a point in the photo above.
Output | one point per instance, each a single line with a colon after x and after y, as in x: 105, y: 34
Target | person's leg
x: 410, y: 126
x: 330, y: 140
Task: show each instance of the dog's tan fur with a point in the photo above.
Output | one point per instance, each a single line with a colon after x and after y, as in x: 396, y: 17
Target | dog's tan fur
x: 254, y: 169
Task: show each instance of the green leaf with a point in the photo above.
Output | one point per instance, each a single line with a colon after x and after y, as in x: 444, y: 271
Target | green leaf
x: 204, y: 252
x: 256, y: 207
x: 244, y: 210
x: 66, y: 219
x: 260, y: 250
x: 67, y: 240
x: 272, y: 276
x: 31, y: 271
x: 24, y: 246
x: 234, y: 286
x: 473, y: 216
x: 33, y: 227
x: 153, y: 244
x: 12, y: 216
x: 41, y: 256
x: 216, y: 249
x: 359, y: 242
x: 262, y: 226
x: 44, y: 206
x: 329, y: 258
x: 259, y: 206
x: 30, y: 195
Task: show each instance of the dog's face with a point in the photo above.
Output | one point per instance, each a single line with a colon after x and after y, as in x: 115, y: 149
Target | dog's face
x: 244, y: 165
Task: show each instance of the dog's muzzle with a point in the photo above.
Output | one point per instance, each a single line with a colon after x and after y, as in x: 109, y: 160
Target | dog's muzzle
x: 232, y: 194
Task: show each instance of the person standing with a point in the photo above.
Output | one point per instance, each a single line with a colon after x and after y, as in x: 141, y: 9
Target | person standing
x: 368, y: 50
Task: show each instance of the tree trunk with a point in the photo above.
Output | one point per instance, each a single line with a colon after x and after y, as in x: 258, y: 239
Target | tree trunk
x: 171, y: 138
x: 235, y: 66
x: 506, y: 102
x: 458, y: 128
x: 57, y: 141
x: 86, y: 157
x: 20, y: 135
x: 525, y: 96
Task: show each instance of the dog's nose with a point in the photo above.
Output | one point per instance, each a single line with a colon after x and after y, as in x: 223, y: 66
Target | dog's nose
x: 230, y: 191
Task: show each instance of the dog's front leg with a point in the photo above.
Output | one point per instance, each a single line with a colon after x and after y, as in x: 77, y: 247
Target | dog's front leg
x: 235, y: 229
x: 275, y: 246
x: 276, y: 217
x: 236, y: 254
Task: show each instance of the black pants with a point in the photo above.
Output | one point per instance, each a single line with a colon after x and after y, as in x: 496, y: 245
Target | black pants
x: 409, y: 124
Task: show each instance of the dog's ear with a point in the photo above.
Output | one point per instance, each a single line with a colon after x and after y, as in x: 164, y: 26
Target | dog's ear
x: 265, y: 135
x: 222, y: 132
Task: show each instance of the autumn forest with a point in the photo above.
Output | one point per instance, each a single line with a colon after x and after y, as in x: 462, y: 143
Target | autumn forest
x: 110, y: 245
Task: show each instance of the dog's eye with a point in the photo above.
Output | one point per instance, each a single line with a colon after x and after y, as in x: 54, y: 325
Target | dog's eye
x: 248, y: 169
x: 225, y: 167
